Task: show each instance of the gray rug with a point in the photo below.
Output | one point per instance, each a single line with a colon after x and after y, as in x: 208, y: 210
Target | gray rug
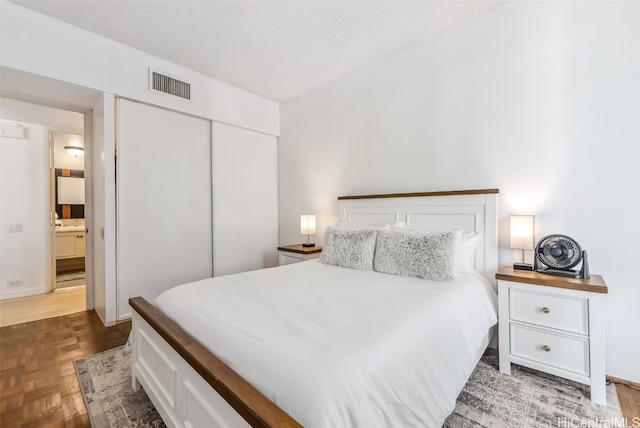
x: 489, y: 399
x: 70, y: 276
x: 529, y: 398
x: 105, y: 381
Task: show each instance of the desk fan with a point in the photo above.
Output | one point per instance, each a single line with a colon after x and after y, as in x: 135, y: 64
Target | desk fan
x: 560, y: 254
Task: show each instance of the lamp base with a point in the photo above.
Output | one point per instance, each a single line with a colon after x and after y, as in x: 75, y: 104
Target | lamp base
x: 308, y: 244
x: 522, y: 266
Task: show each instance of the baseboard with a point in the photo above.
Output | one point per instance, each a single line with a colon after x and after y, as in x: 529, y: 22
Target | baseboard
x: 630, y: 384
x: 22, y: 292
x: 70, y: 284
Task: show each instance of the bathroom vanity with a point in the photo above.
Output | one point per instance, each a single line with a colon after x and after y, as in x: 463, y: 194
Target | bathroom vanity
x: 69, y: 242
x: 70, y: 248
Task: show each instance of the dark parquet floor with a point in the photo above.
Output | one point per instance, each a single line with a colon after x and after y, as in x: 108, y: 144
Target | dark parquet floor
x: 38, y: 383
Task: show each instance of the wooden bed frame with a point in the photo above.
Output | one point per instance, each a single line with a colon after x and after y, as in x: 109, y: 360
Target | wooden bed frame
x: 191, y: 387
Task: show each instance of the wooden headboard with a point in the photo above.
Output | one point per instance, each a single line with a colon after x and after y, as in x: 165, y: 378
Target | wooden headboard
x: 471, y: 210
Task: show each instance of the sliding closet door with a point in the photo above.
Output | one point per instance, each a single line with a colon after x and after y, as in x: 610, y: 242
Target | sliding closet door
x: 164, y: 218
x: 245, y: 199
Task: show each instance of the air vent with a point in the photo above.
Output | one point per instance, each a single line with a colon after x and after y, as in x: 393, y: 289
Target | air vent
x: 169, y: 85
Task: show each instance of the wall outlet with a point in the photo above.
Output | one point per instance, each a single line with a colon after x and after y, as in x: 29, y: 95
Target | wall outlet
x: 15, y: 228
x: 15, y: 283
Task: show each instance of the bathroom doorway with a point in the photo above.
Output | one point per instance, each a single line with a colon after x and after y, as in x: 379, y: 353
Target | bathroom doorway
x: 67, y: 193
x: 28, y: 287
x: 30, y: 98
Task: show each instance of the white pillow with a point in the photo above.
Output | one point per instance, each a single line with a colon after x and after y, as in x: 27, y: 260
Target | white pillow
x: 466, y: 253
x: 350, y: 248
x: 429, y: 255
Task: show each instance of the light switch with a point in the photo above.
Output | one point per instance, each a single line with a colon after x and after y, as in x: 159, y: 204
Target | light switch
x: 15, y: 228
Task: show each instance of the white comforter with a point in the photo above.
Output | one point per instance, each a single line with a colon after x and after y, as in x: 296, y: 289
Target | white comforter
x: 337, y: 347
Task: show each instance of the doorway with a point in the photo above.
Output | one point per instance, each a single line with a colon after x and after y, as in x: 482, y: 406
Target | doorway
x: 66, y: 204
x: 41, y: 93
x: 29, y: 197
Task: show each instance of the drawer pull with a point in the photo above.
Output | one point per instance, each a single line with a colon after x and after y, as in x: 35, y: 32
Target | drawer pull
x: 545, y: 310
x: 546, y: 348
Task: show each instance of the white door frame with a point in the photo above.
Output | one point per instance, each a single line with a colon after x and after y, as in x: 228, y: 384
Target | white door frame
x: 88, y: 209
x: 52, y: 214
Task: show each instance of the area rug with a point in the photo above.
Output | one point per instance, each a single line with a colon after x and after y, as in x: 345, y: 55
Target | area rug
x: 529, y: 398
x: 105, y: 381
x: 489, y: 399
x: 70, y: 276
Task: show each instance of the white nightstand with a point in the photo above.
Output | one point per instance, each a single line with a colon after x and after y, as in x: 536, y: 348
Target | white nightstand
x: 297, y: 253
x: 553, y: 324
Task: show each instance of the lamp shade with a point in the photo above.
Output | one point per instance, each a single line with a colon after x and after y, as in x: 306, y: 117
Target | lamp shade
x: 522, y: 232
x: 308, y: 224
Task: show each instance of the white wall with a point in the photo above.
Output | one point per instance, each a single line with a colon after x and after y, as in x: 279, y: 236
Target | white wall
x: 53, y: 118
x: 41, y: 45
x: 539, y: 99
x: 24, y: 195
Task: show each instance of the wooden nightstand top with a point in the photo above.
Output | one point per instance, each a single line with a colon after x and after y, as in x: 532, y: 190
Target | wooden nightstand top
x: 595, y: 284
x: 300, y: 249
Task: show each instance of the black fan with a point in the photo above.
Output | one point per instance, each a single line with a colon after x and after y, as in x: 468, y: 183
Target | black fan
x: 560, y: 254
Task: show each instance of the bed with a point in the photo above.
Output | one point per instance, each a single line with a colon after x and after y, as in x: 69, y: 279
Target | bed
x: 319, y: 345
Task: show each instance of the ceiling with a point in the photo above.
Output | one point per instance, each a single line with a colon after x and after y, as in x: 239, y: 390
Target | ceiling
x: 276, y: 49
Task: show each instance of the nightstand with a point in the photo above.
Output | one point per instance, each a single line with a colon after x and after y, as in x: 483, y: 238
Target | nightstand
x: 297, y: 253
x: 554, y: 324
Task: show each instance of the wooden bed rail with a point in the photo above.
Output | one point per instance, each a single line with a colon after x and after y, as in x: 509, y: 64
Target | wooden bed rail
x: 421, y: 194
x: 250, y: 403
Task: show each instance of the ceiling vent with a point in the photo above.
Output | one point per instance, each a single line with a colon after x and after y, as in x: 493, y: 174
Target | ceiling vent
x: 168, y: 85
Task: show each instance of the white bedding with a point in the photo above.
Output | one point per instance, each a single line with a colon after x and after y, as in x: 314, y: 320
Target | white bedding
x: 337, y: 347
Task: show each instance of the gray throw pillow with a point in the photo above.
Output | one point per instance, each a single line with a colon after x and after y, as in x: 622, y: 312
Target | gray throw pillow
x: 428, y: 255
x: 349, y: 248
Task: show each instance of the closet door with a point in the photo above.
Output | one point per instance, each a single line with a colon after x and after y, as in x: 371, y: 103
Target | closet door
x: 245, y: 165
x: 164, y: 214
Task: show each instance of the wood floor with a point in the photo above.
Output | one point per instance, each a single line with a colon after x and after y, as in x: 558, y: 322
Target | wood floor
x: 59, y: 302
x: 630, y: 404
x: 38, y: 383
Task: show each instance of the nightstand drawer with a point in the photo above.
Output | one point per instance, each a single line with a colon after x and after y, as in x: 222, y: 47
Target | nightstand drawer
x: 544, y: 347
x: 297, y: 253
x: 291, y: 258
x: 559, y: 312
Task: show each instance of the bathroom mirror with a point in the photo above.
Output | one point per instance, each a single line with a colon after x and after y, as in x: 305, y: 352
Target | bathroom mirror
x: 70, y: 191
